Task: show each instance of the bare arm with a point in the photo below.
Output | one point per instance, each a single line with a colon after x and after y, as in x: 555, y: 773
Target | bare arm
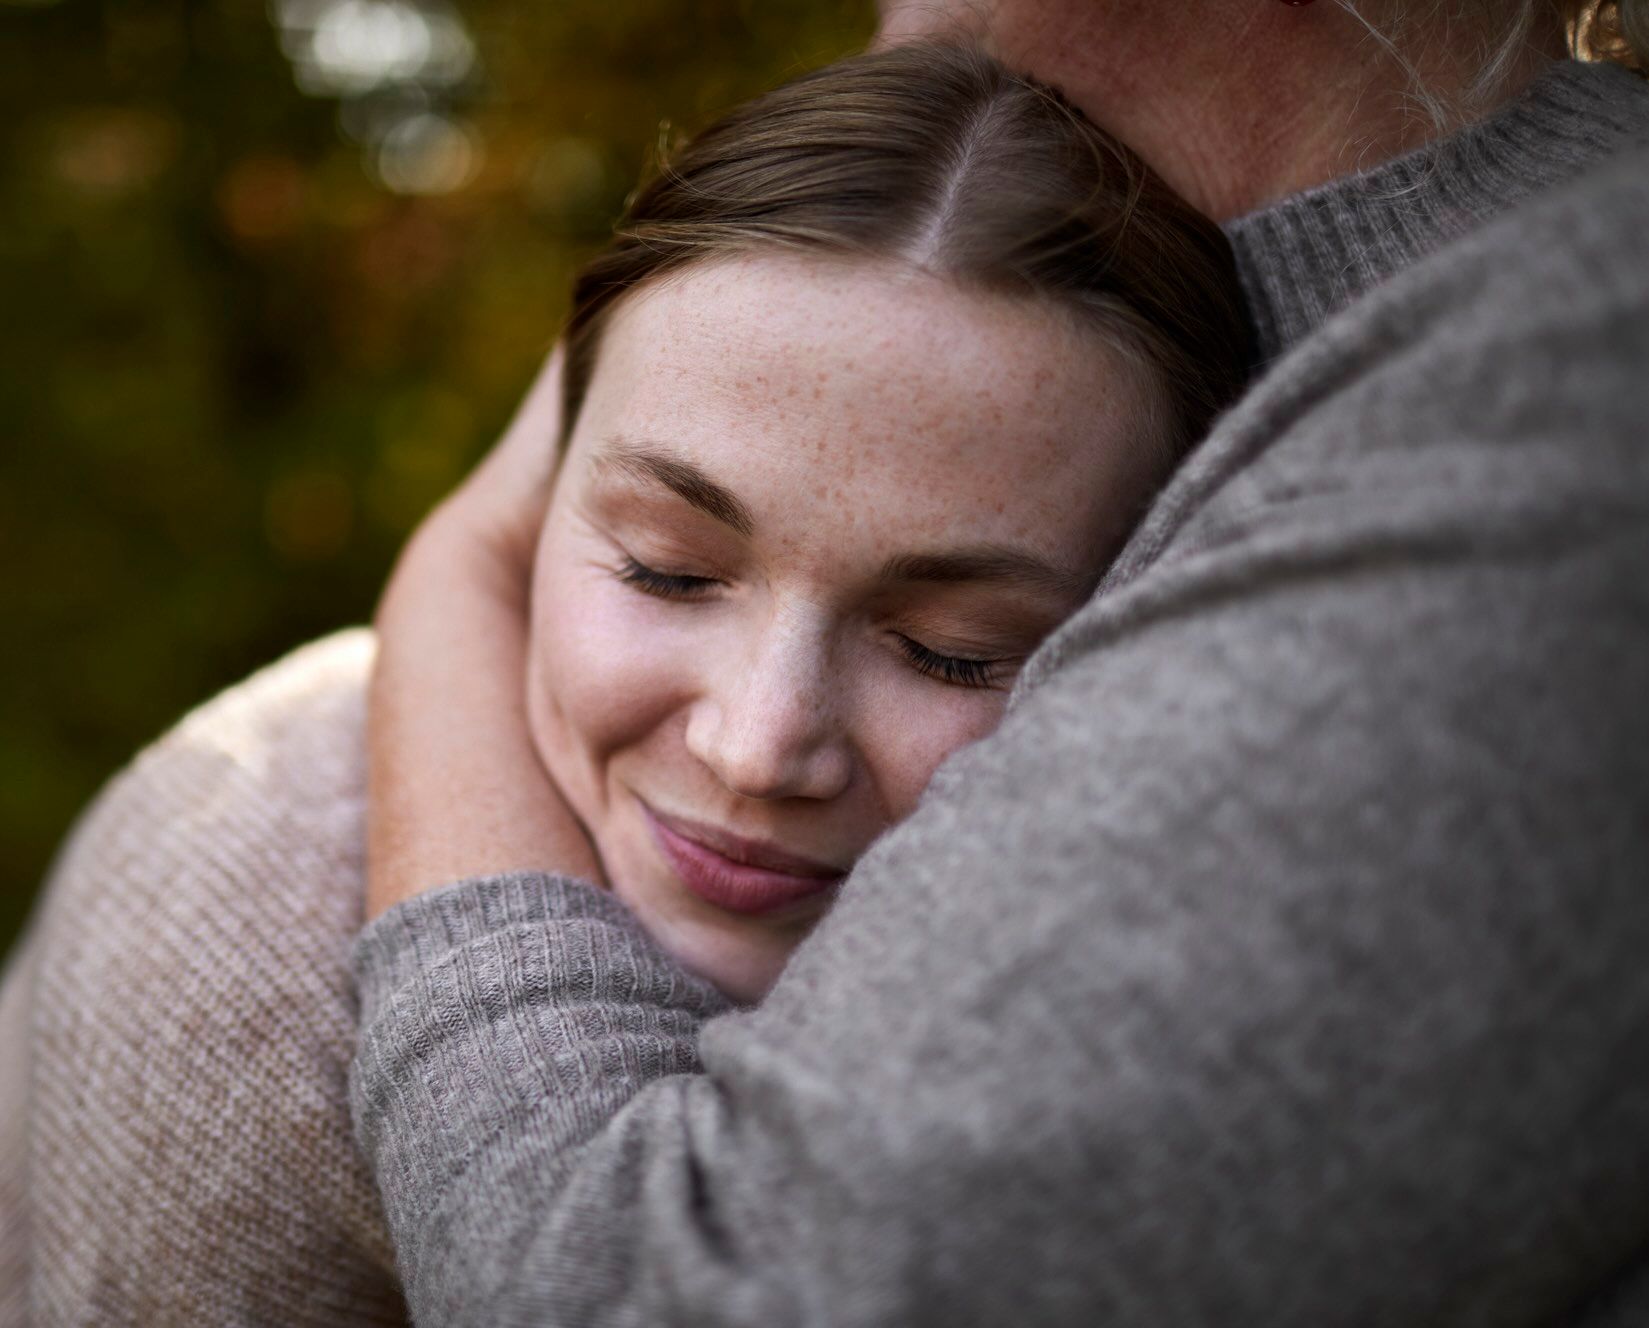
x: 457, y: 789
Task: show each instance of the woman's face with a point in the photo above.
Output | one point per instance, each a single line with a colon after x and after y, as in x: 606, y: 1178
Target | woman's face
x: 813, y: 517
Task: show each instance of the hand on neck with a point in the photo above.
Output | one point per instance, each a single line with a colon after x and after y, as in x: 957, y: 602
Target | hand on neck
x: 1235, y: 103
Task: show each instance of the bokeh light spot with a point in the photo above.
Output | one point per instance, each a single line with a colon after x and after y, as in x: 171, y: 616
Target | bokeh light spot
x: 344, y: 48
x: 114, y: 152
x: 262, y: 197
x: 428, y: 154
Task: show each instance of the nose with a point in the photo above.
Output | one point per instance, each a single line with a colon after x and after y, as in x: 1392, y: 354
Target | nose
x: 771, y: 725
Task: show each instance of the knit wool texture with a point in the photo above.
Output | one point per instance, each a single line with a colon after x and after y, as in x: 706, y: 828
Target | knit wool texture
x: 1278, y: 962
x: 190, y: 1020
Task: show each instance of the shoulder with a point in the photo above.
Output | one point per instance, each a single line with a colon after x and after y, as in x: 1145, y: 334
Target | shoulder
x: 282, y: 747
x: 1490, y: 391
x: 1552, y: 278
x: 1505, y: 333
x: 1462, y: 446
x: 248, y: 814
x: 1549, y: 297
x: 291, y: 737
x: 193, y: 1017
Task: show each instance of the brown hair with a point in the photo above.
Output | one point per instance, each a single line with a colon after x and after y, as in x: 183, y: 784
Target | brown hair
x: 939, y: 156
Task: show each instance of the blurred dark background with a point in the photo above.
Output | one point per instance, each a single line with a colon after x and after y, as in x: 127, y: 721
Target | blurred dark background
x: 271, y: 278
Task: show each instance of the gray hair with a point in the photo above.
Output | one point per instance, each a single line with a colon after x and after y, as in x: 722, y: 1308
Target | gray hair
x: 1597, y: 29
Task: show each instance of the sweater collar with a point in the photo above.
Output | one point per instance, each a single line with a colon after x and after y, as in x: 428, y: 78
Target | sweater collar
x: 1308, y: 256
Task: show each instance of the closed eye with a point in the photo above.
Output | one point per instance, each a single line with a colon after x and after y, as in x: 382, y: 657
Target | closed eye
x: 949, y: 668
x: 663, y: 585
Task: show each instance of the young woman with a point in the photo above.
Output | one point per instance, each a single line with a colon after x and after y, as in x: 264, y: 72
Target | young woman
x: 873, y: 382
x: 870, y: 386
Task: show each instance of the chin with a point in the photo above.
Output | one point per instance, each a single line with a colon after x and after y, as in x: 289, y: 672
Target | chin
x: 737, y: 977
x: 740, y: 959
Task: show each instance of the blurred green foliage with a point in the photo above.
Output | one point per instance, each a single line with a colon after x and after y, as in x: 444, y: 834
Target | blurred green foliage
x: 252, y: 332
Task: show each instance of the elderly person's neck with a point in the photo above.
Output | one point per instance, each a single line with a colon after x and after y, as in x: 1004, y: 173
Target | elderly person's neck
x: 1237, y: 103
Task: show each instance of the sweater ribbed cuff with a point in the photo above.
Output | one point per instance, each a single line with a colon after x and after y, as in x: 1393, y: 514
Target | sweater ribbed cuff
x: 499, y: 1000
x: 427, y: 929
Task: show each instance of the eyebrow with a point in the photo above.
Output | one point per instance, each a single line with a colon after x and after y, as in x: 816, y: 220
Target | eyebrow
x: 986, y: 562
x: 647, y: 461
x: 998, y: 563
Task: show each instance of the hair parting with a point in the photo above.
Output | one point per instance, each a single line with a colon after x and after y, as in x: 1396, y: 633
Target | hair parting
x: 938, y: 157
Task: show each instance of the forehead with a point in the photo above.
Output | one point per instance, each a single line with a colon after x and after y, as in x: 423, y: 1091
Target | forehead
x: 832, y: 395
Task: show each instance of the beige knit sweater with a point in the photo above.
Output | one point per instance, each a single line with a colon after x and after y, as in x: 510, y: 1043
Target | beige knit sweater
x: 189, y: 1157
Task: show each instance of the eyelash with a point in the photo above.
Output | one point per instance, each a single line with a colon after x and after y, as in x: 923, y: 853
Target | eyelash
x: 975, y: 673
x: 663, y: 585
x: 947, y: 668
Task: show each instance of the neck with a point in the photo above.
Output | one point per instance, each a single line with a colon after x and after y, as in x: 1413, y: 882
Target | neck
x: 1237, y: 103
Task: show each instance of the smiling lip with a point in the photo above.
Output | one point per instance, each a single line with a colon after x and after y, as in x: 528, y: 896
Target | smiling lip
x: 739, y: 875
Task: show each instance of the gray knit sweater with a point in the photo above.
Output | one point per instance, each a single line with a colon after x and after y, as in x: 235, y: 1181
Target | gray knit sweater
x: 1280, y: 961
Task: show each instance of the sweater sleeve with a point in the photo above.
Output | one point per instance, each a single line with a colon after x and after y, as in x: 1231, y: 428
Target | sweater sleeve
x: 1279, y: 960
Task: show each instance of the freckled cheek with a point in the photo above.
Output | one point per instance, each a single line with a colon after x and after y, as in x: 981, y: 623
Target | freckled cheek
x: 915, y: 734
x: 607, y: 681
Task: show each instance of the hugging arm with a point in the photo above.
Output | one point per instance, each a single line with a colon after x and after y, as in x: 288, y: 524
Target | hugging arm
x: 1279, y: 959
x: 456, y: 738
